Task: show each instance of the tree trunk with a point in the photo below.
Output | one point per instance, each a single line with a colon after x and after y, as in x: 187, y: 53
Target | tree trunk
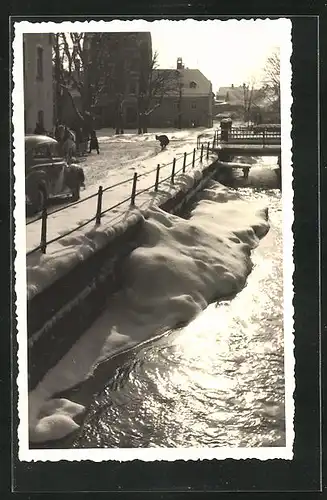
x: 144, y: 123
x: 119, y: 125
x: 140, y: 114
x: 119, y: 116
x: 180, y: 108
x: 57, y: 69
x: 139, y: 122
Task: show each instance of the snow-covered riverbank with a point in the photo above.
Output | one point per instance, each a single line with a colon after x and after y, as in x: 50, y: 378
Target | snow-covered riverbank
x: 180, y: 266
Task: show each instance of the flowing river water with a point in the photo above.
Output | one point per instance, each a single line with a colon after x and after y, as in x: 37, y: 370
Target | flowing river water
x: 217, y: 382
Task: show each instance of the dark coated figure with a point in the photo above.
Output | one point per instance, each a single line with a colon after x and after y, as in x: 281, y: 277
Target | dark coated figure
x: 246, y: 172
x: 94, y: 144
x: 163, y: 139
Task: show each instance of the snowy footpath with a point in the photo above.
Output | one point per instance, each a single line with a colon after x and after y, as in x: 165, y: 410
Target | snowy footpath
x: 120, y: 157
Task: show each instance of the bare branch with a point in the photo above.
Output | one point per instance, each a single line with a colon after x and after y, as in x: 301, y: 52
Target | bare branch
x: 272, y: 74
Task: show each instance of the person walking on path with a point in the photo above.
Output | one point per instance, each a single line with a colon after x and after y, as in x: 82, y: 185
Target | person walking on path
x: 94, y: 144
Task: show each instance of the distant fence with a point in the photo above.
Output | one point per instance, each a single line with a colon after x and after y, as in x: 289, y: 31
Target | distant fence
x: 100, y: 210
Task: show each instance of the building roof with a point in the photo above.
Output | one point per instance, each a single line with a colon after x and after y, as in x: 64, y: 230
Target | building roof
x: 194, y: 83
x: 235, y: 94
x: 203, y: 85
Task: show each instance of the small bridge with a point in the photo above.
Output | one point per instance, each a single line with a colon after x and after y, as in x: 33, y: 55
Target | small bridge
x: 249, y: 135
x: 229, y: 142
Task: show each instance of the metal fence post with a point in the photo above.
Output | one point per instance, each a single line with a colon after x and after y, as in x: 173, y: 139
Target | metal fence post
x: 157, y: 178
x: 173, y: 171
x: 43, y: 244
x: 193, y: 160
x: 134, y: 189
x: 208, y: 147
x: 99, y: 206
x: 201, y: 157
x: 184, y: 162
x: 264, y: 137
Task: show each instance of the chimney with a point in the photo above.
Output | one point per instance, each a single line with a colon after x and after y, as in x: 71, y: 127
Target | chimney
x: 180, y: 63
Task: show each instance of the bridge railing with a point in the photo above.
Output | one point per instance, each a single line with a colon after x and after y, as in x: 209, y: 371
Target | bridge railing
x: 263, y: 137
x: 242, y: 135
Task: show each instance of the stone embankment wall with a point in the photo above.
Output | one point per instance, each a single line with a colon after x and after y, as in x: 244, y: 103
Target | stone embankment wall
x: 59, y: 315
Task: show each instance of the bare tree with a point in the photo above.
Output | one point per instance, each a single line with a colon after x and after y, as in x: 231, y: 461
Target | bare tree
x: 271, y: 78
x: 248, y: 91
x: 80, y: 62
x: 154, y: 85
x: 251, y: 96
x: 95, y: 65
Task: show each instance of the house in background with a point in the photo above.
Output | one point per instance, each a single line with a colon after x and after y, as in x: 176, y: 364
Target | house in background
x: 189, y: 104
x: 230, y: 94
x: 38, y: 81
x: 231, y: 100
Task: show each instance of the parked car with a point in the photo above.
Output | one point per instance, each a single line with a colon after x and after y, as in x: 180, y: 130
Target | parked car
x: 47, y: 173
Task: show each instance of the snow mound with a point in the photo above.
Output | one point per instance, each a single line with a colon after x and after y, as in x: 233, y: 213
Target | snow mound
x: 180, y: 266
x: 55, y: 420
x: 66, y: 253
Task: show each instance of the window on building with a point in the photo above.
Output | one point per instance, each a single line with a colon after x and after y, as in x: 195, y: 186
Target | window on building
x: 193, y: 85
x: 193, y: 105
x: 39, y: 63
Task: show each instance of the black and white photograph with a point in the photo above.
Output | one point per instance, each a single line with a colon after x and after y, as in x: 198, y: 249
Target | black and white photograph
x: 154, y: 241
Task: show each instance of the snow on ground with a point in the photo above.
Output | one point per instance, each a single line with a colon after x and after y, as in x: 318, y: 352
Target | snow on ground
x: 180, y: 266
x: 120, y: 156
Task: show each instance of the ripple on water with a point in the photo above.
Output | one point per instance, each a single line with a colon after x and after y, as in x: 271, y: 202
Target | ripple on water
x: 218, y: 385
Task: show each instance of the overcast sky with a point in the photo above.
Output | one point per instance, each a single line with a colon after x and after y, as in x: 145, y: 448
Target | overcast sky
x: 227, y: 52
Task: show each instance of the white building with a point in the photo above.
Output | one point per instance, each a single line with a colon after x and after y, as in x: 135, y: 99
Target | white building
x: 188, y: 101
x: 38, y: 81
